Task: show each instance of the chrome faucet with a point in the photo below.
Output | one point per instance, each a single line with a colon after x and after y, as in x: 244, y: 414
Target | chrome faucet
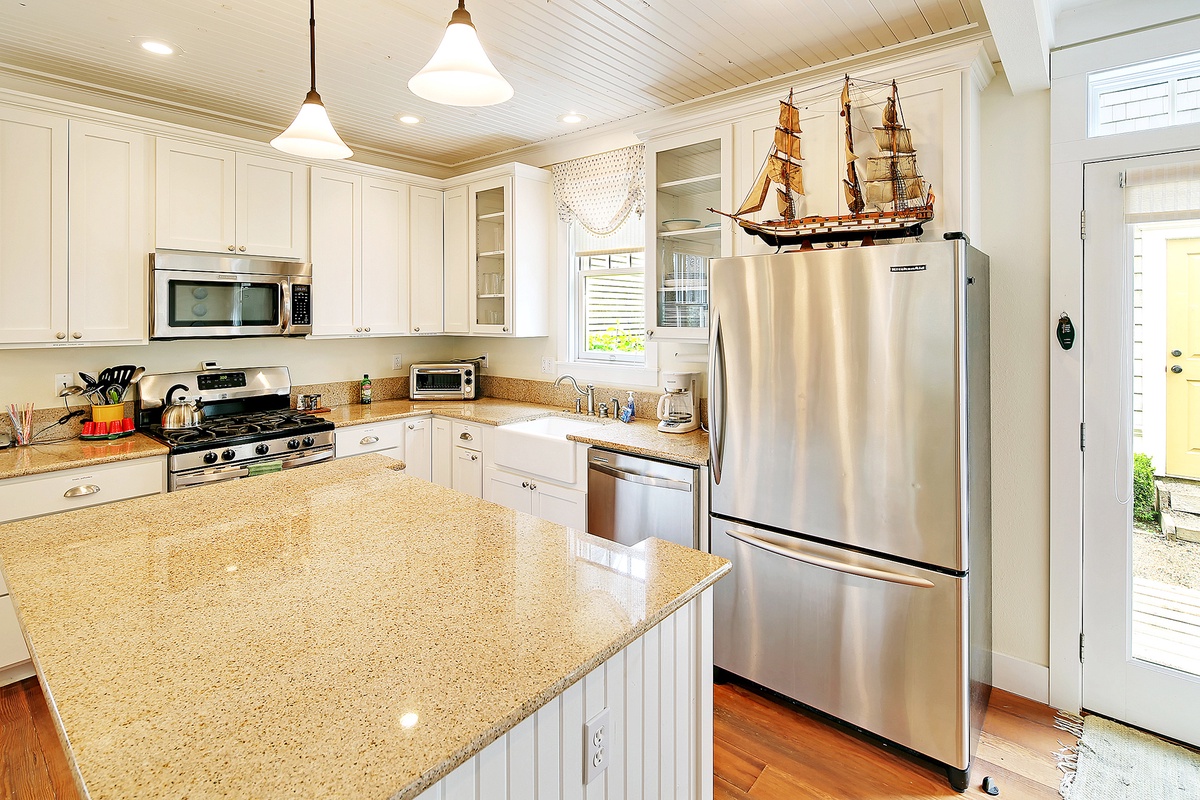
x: 590, y: 394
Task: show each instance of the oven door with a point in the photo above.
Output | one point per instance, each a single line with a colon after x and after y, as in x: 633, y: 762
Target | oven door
x: 205, y: 304
x: 203, y: 476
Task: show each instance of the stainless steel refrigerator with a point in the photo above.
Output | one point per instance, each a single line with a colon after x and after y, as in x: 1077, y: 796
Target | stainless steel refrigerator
x: 849, y: 419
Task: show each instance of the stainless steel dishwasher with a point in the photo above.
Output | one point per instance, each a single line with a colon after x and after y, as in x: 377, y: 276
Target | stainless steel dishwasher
x: 632, y: 498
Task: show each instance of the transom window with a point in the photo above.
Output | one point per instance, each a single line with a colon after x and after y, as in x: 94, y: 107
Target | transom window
x: 1154, y: 94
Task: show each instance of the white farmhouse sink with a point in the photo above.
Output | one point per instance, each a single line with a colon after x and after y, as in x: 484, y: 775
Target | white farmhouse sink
x: 540, y: 446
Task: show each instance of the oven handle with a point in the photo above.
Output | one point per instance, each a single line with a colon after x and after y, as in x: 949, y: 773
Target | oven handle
x: 308, y: 458
x: 828, y: 563
x: 201, y: 478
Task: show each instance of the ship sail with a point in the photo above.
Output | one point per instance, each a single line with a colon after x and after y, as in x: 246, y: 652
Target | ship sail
x: 788, y: 143
x: 881, y: 168
x: 758, y: 193
x: 785, y: 173
x: 885, y: 192
x: 854, y: 197
x: 897, y: 140
x: 789, y: 115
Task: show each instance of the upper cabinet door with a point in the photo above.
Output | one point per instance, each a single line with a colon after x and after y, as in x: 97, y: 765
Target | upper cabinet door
x: 336, y: 253
x: 195, y: 197
x: 110, y: 234
x: 272, y: 207
x: 490, y: 255
x: 425, y: 268
x: 457, y: 259
x: 385, y: 305
x: 33, y: 227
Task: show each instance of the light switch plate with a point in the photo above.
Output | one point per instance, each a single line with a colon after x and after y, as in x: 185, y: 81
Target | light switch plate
x: 597, y: 746
x: 61, y: 381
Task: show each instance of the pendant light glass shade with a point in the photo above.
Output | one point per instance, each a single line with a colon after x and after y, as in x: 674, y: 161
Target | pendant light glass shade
x: 311, y: 134
x: 460, y: 73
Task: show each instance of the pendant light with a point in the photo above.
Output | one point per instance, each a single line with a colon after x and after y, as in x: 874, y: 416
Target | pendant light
x: 460, y: 73
x: 311, y: 135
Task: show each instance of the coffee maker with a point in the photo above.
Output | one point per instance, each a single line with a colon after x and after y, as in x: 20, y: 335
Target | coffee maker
x: 677, y: 407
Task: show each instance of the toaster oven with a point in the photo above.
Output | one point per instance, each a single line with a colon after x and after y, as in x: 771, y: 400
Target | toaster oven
x: 452, y: 381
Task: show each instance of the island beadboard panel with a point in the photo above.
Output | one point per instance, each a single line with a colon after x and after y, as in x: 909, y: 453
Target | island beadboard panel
x: 659, y: 693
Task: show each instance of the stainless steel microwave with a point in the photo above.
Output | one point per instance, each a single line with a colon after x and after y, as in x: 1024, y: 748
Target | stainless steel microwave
x: 451, y: 381
x: 194, y: 295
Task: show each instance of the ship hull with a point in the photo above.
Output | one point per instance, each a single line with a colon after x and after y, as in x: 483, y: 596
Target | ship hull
x: 850, y: 228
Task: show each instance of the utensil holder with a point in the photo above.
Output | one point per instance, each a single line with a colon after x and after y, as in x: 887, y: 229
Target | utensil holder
x: 108, y: 413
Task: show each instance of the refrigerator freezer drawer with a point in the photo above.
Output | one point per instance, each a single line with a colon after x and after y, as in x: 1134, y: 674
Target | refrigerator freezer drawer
x: 876, y: 643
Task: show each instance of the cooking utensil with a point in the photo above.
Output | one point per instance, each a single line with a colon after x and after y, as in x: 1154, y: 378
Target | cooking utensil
x: 121, y: 374
x: 112, y: 393
x: 133, y: 379
x: 181, y: 413
x: 89, y: 381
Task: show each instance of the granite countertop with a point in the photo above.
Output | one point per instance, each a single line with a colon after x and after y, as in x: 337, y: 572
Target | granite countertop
x: 640, y: 437
x: 187, y: 652
x: 39, y: 458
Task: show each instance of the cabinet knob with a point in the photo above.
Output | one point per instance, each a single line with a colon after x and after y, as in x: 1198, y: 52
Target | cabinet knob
x: 60, y: 335
x: 532, y: 485
x: 76, y: 335
x: 506, y: 329
x: 524, y: 484
x: 649, y: 333
x: 416, y: 330
x: 368, y: 330
x: 474, y: 457
x: 242, y: 248
x: 358, y: 330
x: 231, y: 248
x: 412, y: 427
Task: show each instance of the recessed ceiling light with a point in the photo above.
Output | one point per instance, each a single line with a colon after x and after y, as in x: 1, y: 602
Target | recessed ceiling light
x: 409, y: 119
x: 571, y: 118
x: 160, y: 47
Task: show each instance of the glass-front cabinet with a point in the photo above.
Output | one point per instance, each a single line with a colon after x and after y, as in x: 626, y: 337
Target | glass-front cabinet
x: 686, y: 175
x: 489, y: 205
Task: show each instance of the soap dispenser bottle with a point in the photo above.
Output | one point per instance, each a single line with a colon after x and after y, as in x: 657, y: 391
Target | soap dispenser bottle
x: 627, y: 411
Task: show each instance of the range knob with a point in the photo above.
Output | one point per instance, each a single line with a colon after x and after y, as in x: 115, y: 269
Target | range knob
x: 293, y: 444
x: 309, y: 441
x: 210, y: 457
x: 262, y: 449
x: 228, y: 455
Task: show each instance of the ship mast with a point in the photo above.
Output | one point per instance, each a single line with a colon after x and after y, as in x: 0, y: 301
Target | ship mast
x: 854, y: 198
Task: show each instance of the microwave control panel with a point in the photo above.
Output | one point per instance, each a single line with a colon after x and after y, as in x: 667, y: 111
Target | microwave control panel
x: 301, y: 304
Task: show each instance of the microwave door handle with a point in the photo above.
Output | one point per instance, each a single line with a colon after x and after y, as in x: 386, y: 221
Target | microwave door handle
x: 829, y: 563
x: 286, y: 313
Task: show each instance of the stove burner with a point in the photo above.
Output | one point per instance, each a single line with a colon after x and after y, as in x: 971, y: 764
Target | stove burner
x: 253, y: 427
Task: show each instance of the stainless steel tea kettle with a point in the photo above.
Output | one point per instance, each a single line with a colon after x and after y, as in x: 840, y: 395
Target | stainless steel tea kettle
x: 181, y: 413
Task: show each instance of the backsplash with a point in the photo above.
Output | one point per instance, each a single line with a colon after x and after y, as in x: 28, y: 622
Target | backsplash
x: 344, y: 393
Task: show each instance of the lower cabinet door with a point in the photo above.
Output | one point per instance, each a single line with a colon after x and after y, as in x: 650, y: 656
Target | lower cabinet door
x: 12, y: 643
x: 563, y: 506
x: 508, y: 490
x: 467, y: 472
x: 418, y: 449
x: 443, y: 472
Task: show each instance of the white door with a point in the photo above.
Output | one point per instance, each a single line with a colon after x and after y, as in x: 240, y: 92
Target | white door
x: 1141, y: 624
x: 110, y: 233
x: 490, y: 245
x: 418, y: 449
x: 336, y: 254
x: 467, y: 472
x: 511, y: 491
x: 272, y: 207
x: 194, y: 197
x: 426, y: 265
x: 442, y: 447
x: 562, y: 506
x: 384, y: 257
x: 33, y: 227
x: 457, y: 270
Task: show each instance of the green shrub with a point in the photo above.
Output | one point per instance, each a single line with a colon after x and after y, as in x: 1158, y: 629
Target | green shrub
x: 617, y: 339
x: 1143, y: 489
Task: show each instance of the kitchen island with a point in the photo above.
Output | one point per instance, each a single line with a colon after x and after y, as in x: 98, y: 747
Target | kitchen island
x: 344, y: 630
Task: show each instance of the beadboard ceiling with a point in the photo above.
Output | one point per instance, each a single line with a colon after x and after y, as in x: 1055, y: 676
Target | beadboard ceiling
x: 607, y: 59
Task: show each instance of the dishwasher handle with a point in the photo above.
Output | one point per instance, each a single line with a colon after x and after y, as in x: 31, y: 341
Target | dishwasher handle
x: 645, y: 480
x: 828, y: 563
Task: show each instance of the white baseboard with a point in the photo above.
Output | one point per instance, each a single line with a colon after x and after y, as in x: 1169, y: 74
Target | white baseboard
x: 1021, y: 677
x: 17, y: 672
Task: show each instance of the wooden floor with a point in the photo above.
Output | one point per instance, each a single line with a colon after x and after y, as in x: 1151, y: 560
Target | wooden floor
x: 765, y: 749
x: 1166, y: 625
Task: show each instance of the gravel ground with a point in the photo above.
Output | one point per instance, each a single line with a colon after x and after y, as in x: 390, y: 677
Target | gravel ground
x: 1156, y: 558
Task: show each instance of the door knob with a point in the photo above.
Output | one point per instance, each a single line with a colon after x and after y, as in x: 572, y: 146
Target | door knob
x: 1177, y: 353
x: 1177, y: 369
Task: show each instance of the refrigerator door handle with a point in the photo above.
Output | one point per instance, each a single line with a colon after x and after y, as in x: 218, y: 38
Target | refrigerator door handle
x: 826, y: 563
x: 716, y: 398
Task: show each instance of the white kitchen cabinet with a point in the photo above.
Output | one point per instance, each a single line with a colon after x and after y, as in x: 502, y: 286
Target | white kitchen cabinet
x: 69, y: 489
x: 418, y: 448
x: 384, y: 438
x: 13, y: 651
x: 534, y: 496
x: 218, y: 201
x: 442, y: 453
x: 359, y: 255
x: 689, y: 173
x: 108, y: 251
x: 467, y: 471
x: 426, y: 292
x: 498, y: 252
x: 33, y: 227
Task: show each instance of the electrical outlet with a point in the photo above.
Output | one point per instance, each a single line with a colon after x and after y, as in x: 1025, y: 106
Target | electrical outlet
x: 483, y: 361
x: 548, y: 365
x: 61, y: 381
x: 597, y: 746
x: 397, y: 361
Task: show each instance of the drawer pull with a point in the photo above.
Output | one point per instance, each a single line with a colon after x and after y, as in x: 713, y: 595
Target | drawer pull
x: 466, y: 436
x: 81, y: 491
x: 368, y: 440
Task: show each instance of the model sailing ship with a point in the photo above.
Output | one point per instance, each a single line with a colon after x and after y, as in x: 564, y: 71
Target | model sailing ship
x: 899, y: 199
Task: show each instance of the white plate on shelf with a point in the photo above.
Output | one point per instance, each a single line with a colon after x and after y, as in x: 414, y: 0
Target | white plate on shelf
x: 680, y: 224
x: 687, y: 283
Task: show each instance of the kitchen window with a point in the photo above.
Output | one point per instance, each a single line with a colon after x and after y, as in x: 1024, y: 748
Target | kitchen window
x: 609, y: 289
x: 1153, y: 94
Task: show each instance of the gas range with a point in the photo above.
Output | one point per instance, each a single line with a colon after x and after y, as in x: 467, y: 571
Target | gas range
x: 249, y: 428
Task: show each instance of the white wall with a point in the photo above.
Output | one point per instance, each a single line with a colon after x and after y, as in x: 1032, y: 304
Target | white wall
x: 1016, y: 234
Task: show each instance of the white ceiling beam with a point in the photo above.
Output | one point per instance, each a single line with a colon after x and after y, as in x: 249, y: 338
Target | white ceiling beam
x: 1023, y: 31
